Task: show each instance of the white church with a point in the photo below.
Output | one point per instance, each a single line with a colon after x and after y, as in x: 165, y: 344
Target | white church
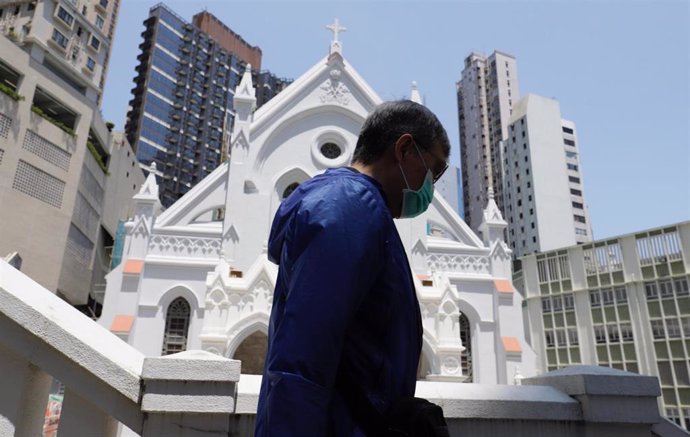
x: 196, y: 276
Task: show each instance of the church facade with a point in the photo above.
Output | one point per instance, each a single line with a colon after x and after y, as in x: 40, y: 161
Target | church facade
x: 196, y: 276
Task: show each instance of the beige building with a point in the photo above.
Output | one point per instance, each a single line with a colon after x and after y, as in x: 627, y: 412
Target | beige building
x: 486, y: 93
x: 622, y: 302
x: 65, y: 179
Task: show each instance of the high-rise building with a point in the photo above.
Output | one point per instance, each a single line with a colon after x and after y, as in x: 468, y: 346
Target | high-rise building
x: 69, y: 38
x: 542, y: 185
x: 622, y: 302
x: 485, y: 93
x: 450, y: 188
x: 182, y: 106
x: 65, y: 179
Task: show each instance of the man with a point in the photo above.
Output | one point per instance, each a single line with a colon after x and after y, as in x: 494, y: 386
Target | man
x: 345, y: 323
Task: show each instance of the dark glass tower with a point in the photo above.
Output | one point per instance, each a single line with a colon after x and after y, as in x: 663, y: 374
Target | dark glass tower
x: 182, y: 102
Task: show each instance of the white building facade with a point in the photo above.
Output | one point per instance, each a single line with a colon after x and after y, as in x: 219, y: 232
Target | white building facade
x: 542, y: 187
x: 197, y: 277
x: 623, y: 302
x: 65, y: 178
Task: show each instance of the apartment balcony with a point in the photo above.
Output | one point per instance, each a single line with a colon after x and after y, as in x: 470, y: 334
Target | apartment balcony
x: 197, y: 393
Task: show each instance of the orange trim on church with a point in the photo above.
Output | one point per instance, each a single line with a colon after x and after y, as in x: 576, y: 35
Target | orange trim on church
x: 511, y: 344
x: 133, y: 267
x: 426, y: 280
x: 122, y: 323
x: 503, y: 286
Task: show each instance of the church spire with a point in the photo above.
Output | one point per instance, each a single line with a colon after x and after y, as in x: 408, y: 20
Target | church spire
x: 336, y: 28
x: 414, y: 95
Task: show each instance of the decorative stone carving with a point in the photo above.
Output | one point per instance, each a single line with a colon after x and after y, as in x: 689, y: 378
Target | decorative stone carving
x: 333, y: 90
x: 457, y: 263
x: 450, y: 366
x: 170, y: 245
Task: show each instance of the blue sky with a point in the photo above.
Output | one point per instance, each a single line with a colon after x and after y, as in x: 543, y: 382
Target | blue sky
x: 620, y: 71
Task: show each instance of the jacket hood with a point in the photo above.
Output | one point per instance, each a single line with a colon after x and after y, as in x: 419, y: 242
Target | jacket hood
x: 283, y: 220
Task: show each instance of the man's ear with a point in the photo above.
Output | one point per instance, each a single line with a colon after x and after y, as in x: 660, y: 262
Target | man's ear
x: 403, y: 146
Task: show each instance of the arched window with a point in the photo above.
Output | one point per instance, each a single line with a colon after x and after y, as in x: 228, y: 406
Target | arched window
x: 252, y: 353
x: 466, y: 355
x: 290, y: 188
x: 176, y: 327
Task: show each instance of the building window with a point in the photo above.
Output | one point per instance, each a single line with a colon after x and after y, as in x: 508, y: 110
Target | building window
x: 103, y: 4
x: 572, y: 337
x: 548, y: 337
x: 90, y: 63
x: 567, y: 130
x: 466, y: 355
x: 95, y: 43
x: 579, y: 218
x: 665, y: 289
x: 290, y: 188
x: 59, y: 38
x: 99, y: 21
x: 331, y: 150
x: 658, y: 330
x: 650, y: 290
x: 600, y: 334
x: 575, y: 192
x: 621, y: 294
x: 65, y: 16
x: 626, y: 332
x: 568, y: 301
x: 681, y: 287
x: 578, y: 205
x: 569, y: 142
x: 673, y: 327
x: 176, y: 327
x: 560, y: 337
x: 594, y: 298
x: 572, y: 167
x: 607, y: 296
x: 613, y: 333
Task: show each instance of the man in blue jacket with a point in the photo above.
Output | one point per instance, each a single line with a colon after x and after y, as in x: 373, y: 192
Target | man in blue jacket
x: 345, y: 314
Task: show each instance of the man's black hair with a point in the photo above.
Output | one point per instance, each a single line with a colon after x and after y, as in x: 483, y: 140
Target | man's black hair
x: 389, y: 121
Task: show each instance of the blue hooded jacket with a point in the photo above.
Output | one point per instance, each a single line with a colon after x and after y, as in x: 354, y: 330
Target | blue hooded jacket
x: 344, y: 308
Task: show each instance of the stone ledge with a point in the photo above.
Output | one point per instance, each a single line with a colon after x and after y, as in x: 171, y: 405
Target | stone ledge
x: 596, y: 380
x: 485, y: 401
x: 193, y: 365
x: 205, y: 404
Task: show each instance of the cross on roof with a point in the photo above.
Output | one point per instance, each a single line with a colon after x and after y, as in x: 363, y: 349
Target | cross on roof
x: 336, y: 28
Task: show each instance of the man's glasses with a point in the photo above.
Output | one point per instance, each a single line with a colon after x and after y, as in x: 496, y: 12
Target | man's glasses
x: 437, y: 176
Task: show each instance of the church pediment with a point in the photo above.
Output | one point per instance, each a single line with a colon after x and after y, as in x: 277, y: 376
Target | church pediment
x: 203, y: 199
x: 444, y: 215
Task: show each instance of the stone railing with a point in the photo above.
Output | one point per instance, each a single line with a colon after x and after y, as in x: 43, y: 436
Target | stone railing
x: 195, y: 393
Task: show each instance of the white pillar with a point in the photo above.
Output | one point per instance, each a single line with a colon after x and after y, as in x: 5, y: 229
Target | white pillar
x: 81, y: 417
x: 23, y: 397
x: 190, y: 394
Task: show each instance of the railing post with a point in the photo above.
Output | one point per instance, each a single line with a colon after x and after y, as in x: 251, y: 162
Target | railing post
x: 189, y: 394
x: 80, y: 417
x: 610, y: 399
x: 24, y: 396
